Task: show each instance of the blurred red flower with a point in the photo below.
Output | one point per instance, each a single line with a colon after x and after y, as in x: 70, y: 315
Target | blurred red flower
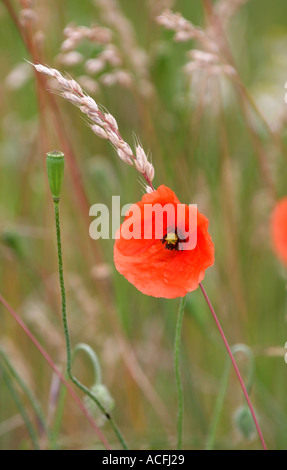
x: 279, y: 229
x: 169, y: 263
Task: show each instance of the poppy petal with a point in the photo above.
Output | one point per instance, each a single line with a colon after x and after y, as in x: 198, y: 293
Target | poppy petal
x: 279, y: 229
x: 155, y: 270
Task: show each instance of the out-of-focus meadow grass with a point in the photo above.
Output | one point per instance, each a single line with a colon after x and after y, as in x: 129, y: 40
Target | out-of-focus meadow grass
x: 202, y: 149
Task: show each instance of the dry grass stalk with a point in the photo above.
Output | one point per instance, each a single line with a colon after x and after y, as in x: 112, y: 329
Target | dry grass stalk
x: 210, y: 58
x: 160, y: 5
x: 226, y: 9
x: 185, y: 30
x: 74, y: 35
x: 120, y: 60
x: 103, y: 124
x: 132, y: 55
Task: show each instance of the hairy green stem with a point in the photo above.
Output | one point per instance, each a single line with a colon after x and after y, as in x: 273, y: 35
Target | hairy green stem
x: 179, y: 386
x: 62, y: 286
x: 67, y: 334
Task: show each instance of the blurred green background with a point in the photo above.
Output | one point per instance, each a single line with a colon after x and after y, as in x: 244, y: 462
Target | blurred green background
x: 212, y: 148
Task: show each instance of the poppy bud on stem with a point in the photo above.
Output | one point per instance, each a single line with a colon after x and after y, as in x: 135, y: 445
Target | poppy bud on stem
x: 55, y: 169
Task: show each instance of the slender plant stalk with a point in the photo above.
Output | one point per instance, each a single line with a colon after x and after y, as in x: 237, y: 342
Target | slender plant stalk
x: 218, y: 407
x: 220, y: 397
x: 235, y: 366
x: 177, y: 372
x: 58, y: 417
x: 62, y: 286
x: 67, y: 334
x: 31, y: 430
x: 34, y: 403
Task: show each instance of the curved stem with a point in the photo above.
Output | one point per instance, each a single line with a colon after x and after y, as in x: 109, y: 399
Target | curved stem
x: 179, y: 387
x: 94, y: 359
x: 235, y: 366
x: 67, y: 334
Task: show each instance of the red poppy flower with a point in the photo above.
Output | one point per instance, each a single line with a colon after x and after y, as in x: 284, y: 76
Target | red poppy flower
x: 279, y: 229
x: 166, y: 263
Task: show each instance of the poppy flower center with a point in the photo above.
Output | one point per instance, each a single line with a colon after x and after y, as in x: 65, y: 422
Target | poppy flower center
x: 170, y: 240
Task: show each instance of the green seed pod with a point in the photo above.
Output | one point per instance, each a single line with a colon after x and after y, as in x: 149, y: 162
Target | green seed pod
x: 55, y: 168
x: 244, y: 422
x: 104, y: 397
